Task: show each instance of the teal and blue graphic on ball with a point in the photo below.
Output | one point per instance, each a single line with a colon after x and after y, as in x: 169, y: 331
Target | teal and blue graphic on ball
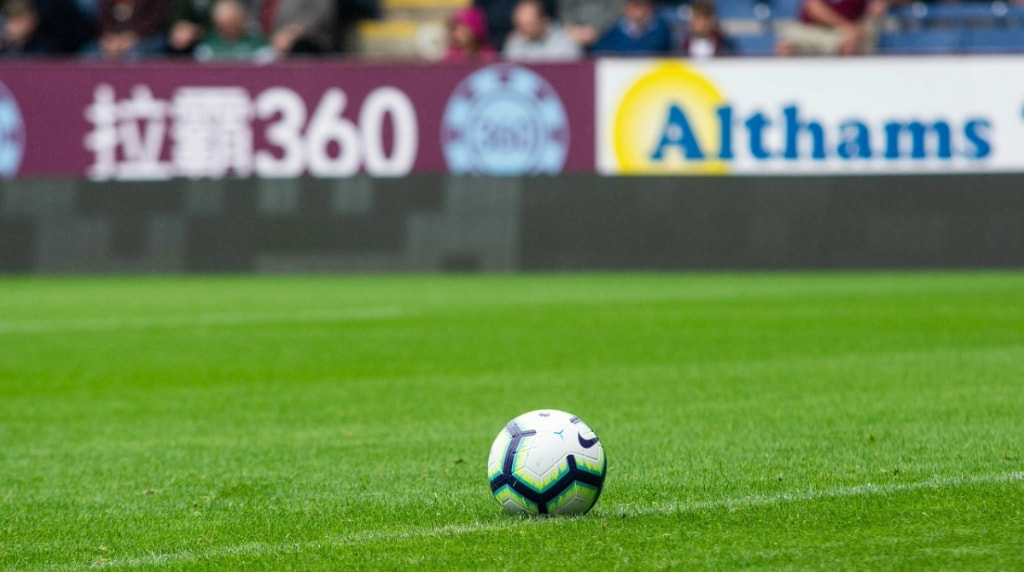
x: 12, y: 134
x: 547, y: 462
x: 505, y: 120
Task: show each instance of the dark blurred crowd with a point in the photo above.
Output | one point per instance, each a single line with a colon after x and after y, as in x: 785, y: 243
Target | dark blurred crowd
x: 524, y: 30
x: 204, y: 29
x: 566, y: 29
x: 528, y: 30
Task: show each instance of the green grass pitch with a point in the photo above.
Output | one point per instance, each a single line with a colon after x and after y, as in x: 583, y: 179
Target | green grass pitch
x: 806, y: 421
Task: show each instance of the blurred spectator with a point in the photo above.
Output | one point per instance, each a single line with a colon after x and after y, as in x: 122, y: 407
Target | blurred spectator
x: 299, y: 26
x: 536, y: 38
x: 350, y: 13
x: 704, y: 37
x: 229, y: 37
x: 189, y: 21
x: 131, y: 29
x: 640, y: 30
x: 90, y: 9
x: 585, y: 19
x: 42, y: 27
x: 499, y: 17
x: 467, y: 37
x: 833, y: 27
x: 20, y: 28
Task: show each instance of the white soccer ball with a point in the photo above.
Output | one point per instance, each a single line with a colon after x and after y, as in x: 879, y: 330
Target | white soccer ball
x: 547, y: 462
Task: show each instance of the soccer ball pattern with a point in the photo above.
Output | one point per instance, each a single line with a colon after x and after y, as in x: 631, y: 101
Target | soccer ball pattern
x: 547, y: 462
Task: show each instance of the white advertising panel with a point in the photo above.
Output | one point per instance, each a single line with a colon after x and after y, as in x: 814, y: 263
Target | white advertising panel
x: 810, y: 116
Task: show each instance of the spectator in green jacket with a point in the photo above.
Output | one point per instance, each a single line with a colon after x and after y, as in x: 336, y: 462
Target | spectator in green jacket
x: 229, y: 37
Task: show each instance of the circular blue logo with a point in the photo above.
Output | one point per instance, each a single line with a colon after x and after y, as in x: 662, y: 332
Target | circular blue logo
x: 12, y: 134
x: 505, y: 120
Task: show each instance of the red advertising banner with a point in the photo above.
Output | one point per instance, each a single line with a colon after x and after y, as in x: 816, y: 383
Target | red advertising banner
x: 158, y: 121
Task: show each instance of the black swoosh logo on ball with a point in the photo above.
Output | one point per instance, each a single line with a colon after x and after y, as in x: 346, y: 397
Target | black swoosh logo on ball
x: 587, y: 443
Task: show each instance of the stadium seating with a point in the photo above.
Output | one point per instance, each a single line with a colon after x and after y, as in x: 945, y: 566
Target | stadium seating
x: 920, y: 42
x: 744, y: 10
x: 415, y: 28
x: 785, y: 9
x: 410, y: 29
x: 970, y: 27
x: 953, y: 15
x: 993, y: 40
x: 755, y: 45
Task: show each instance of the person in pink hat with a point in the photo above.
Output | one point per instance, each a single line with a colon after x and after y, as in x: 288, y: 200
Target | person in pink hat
x: 467, y: 37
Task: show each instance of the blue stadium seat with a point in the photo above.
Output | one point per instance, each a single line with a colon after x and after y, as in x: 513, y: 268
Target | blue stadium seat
x: 743, y: 10
x: 954, y: 15
x: 785, y: 9
x: 993, y: 41
x: 961, y: 12
x: 675, y: 15
x: 943, y: 41
x: 1014, y: 14
x: 755, y: 45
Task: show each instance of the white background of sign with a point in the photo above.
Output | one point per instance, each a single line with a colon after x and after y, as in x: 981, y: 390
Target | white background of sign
x: 873, y: 90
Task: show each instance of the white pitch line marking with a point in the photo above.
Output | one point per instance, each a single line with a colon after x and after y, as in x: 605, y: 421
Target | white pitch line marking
x: 865, y: 490
x: 260, y: 548
x: 196, y: 320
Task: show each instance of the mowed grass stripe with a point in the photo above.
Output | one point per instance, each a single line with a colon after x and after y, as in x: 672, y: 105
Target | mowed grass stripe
x: 511, y: 524
x: 14, y: 327
x: 879, y: 369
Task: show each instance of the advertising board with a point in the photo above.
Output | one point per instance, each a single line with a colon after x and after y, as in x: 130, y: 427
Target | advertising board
x: 160, y: 120
x: 810, y: 116
x: 324, y: 119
